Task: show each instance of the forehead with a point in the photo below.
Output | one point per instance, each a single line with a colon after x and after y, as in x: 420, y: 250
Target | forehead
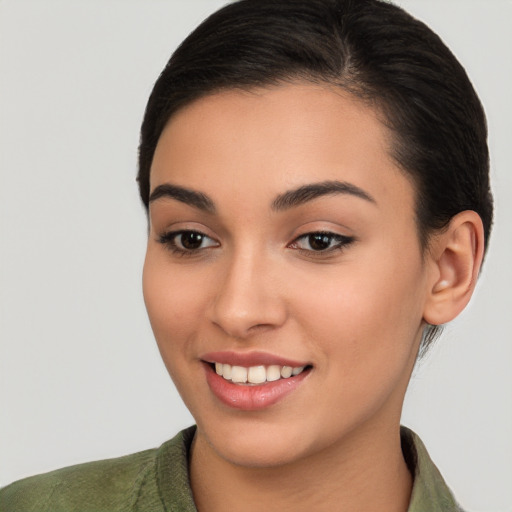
x: 277, y: 138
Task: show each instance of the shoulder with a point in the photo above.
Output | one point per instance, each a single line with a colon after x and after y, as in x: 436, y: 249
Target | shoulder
x: 126, y: 483
x: 101, y: 485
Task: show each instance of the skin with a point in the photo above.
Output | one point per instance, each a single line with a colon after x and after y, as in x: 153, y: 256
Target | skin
x: 355, y: 313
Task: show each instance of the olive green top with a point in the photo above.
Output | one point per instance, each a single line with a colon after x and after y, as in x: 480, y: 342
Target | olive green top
x: 157, y: 481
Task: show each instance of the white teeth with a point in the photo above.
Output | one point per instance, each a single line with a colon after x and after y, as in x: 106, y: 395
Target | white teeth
x: 273, y: 373
x: 286, y: 371
x: 297, y: 370
x: 226, y: 371
x: 256, y: 374
x: 238, y: 374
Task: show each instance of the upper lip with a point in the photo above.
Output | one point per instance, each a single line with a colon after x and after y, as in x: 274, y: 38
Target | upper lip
x: 248, y: 359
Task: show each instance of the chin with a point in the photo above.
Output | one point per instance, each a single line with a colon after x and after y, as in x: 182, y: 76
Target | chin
x: 249, y: 454
x: 259, y: 444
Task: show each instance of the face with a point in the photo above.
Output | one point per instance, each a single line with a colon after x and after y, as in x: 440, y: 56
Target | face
x: 282, y: 240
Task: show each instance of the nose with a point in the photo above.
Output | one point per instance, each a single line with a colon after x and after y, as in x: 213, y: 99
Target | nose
x: 248, y: 297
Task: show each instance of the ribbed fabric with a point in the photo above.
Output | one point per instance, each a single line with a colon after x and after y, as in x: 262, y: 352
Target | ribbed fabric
x: 157, y: 481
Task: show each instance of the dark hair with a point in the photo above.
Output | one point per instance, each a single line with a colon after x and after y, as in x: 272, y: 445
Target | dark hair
x: 370, y: 48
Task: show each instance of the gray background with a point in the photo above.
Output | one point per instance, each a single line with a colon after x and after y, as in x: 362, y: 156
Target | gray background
x: 80, y: 375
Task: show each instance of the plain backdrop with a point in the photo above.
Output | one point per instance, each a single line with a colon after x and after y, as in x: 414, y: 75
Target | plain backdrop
x: 80, y: 375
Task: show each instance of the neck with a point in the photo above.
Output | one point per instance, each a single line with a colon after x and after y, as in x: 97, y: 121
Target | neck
x: 364, y: 472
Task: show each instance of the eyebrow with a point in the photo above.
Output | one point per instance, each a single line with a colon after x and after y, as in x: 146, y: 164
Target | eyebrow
x: 185, y: 195
x: 285, y: 201
x: 306, y: 193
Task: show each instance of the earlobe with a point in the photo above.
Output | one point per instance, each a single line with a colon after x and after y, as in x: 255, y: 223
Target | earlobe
x: 456, y: 257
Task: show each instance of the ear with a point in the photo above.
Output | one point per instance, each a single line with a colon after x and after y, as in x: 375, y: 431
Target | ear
x: 456, y: 255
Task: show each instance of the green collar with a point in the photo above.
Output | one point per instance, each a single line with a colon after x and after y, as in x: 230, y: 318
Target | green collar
x: 429, y: 492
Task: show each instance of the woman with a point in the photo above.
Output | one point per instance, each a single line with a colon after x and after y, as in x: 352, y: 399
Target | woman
x: 318, y: 197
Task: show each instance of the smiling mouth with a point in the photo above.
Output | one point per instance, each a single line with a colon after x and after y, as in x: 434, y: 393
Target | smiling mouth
x: 255, y: 381
x: 254, y: 375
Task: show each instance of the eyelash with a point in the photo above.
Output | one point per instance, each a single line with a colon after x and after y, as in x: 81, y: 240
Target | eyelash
x: 169, y: 241
x: 341, y: 242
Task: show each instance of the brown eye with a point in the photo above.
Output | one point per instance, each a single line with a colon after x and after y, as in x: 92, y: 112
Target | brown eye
x: 319, y: 241
x: 190, y: 240
x: 187, y: 241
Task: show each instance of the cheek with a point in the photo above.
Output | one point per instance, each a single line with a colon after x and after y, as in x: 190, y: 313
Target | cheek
x: 367, y: 334
x: 174, y: 309
x: 172, y: 301
x: 369, y: 312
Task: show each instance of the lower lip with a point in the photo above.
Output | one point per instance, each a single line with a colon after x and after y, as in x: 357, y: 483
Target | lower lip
x: 252, y: 397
